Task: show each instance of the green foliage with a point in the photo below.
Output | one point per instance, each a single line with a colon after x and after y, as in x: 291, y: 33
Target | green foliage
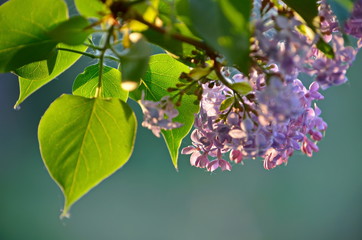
x: 167, y: 15
x: 163, y: 72
x: 91, y: 8
x: 325, y: 48
x: 83, y: 141
x: 242, y: 87
x: 168, y: 43
x: 224, y: 26
x: 24, y: 31
x: 134, y: 63
x: 86, y: 83
x: 307, y: 9
x: 35, y: 75
x: 74, y: 31
x: 226, y: 103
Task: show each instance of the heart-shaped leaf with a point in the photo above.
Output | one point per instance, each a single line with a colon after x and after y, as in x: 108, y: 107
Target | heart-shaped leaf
x: 24, y: 25
x: 35, y: 75
x: 83, y: 141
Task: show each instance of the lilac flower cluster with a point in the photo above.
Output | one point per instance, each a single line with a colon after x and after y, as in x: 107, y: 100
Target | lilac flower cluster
x: 330, y: 71
x: 158, y: 116
x: 279, y: 116
x: 354, y: 24
x: 283, y: 121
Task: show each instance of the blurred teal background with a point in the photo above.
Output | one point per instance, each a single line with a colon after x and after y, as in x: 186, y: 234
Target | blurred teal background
x: 311, y: 198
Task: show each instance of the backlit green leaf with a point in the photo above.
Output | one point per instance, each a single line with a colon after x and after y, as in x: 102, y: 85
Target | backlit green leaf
x: 168, y: 43
x: 83, y: 141
x: 74, y: 31
x: 163, y: 72
x: 307, y: 9
x: 91, y: 8
x: 226, y: 103
x: 86, y: 83
x: 35, y: 75
x: 242, y: 87
x: 148, y: 10
x: 173, y: 25
x: 134, y: 63
x: 224, y: 25
x: 325, y: 48
x: 23, y: 31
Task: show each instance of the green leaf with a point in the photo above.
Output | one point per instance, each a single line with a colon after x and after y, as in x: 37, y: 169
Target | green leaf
x: 226, y: 103
x: 83, y: 141
x: 134, y: 63
x: 23, y: 31
x: 168, y: 43
x: 163, y: 72
x: 325, y: 48
x: 148, y: 10
x: 73, y: 31
x: 86, y: 83
x: 35, y: 75
x: 224, y: 25
x: 307, y: 9
x: 242, y: 87
x: 173, y: 25
x: 91, y: 8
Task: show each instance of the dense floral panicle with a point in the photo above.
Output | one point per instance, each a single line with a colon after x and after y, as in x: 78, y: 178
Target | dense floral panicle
x: 288, y: 125
x: 353, y: 25
x: 279, y: 41
x: 329, y: 22
x: 159, y: 115
x: 279, y: 116
x: 330, y: 71
x: 278, y: 102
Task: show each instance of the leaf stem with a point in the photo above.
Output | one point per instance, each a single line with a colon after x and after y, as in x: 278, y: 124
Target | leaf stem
x: 198, y: 44
x: 78, y: 52
x: 217, y: 67
x: 88, y: 54
x: 101, y: 60
x: 92, y: 46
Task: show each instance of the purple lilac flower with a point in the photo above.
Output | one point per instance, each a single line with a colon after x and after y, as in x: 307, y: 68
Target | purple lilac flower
x: 290, y: 124
x: 244, y: 135
x: 329, y: 23
x: 158, y: 116
x: 353, y: 25
x: 279, y: 116
x: 278, y: 40
x: 278, y: 102
x: 330, y: 71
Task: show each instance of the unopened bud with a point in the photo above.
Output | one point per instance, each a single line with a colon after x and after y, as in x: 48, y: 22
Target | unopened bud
x: 135, y: 37
x: 129, y: 85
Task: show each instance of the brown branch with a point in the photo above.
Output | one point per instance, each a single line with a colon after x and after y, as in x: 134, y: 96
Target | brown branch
x: 198, y: 44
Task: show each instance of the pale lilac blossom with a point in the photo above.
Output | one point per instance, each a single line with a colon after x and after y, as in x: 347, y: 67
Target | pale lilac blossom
x: 159, y: 115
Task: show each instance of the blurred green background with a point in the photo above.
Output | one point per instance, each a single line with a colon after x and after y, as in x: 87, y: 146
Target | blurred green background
x: 311, y: 198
